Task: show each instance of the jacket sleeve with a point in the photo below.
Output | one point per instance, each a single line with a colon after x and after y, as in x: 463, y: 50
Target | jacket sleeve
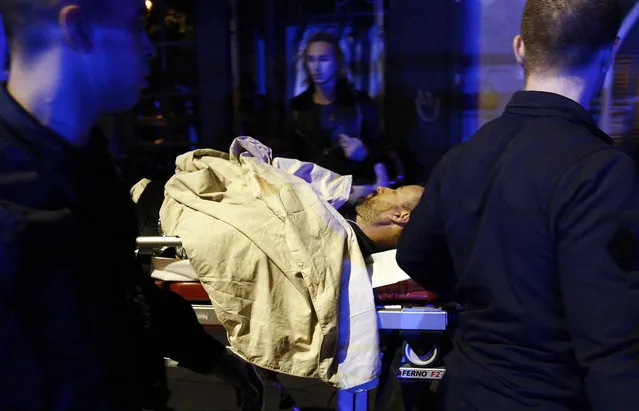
x: 422, y: 251
x: 595, y: 227
x: 44, y: 304
x: 291, y: 141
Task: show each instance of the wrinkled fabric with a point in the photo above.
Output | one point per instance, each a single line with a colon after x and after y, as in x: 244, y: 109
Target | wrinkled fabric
x: 281, y: 266
x: 328, y: 186
x: 137, y: 190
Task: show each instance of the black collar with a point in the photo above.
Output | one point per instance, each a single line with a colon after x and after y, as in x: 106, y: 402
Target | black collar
x: 39, y: 139
x: 345, y: 96
x: 29, y: 131
x: 544, y: 104
x: 366, y: 245
x: 66, y: 167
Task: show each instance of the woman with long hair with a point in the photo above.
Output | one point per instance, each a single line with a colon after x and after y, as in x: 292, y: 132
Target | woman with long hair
x: 330, y: 123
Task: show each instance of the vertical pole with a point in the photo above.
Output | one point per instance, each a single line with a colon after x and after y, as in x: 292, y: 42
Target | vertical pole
x: 271, y: 39
x: 235, y: 66
x: 214, y: 71
x: 467, y: 69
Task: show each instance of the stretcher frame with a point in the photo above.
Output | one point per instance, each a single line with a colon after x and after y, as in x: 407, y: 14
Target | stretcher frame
x: 390, y: 317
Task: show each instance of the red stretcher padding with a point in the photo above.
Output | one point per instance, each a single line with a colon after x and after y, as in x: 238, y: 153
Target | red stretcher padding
x: 407, y: 291
x: 400, y: 293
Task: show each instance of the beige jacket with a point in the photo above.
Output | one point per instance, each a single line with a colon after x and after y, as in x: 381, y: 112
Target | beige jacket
x: 281, y: 266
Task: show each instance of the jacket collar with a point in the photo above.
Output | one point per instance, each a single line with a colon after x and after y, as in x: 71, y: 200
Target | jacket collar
x: 345, y: 97
x: 544, y: 104
x: 36, y: 137
x: 366, y: 245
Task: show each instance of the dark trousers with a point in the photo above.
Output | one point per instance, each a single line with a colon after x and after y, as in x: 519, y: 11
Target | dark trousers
x: 177, y: 332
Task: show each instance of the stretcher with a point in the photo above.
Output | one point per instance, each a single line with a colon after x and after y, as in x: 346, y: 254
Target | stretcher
x: 401, y: 306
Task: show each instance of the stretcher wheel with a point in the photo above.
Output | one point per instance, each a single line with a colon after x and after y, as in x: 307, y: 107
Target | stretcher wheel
x: 421, y: 360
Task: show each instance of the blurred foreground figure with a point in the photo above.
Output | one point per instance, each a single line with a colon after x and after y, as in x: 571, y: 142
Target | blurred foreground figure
x: 81, y: 328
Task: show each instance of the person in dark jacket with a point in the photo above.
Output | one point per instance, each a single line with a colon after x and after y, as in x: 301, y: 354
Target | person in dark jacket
x: 531, y: 225
x: 81, y: 327
x: 331, y: 124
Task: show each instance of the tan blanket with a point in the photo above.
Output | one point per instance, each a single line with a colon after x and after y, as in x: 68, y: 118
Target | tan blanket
x: 281, y: 266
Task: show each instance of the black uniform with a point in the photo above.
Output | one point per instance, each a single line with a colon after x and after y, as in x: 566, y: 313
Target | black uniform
x: 81, y: 328
x: 536, y: 213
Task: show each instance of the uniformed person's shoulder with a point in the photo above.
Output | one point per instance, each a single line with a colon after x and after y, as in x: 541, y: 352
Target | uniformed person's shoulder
x: 476, y: 143
x: 563, y: 131
x: 603, y: 161
x: 575, y: 144
x: 10, y: 148
x: 450, y: 160
x: 455, y: 153
x: 22, y: 179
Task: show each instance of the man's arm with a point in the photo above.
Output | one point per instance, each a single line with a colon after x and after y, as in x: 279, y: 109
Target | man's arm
x: 422, y: 251
x: 596, y: 222
x: 180, y: 337
x: 177, y: 330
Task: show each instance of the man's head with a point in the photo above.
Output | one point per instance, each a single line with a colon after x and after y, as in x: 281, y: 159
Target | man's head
x: 383, y: 214
x: 324, y: 61
x: 95, y: 47
x: 560, y: 37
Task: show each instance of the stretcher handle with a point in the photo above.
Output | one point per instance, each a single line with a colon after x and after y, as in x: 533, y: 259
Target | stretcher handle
x: 153, y: 242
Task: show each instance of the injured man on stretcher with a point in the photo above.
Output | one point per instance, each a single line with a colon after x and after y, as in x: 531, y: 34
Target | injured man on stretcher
x: 284, y: 270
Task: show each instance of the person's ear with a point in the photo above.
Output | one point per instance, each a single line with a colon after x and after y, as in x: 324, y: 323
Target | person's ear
x: 76, y: 29
x: 400, y: 217
x: 519, y: 50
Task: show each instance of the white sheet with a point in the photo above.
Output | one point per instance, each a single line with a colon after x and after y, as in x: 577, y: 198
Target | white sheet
x: 171, y: 269
x: 383, y: 269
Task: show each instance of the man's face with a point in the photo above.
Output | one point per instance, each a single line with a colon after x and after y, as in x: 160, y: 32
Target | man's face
x: 380, y: 206
x: 120, y: 56
x: 321, y: 60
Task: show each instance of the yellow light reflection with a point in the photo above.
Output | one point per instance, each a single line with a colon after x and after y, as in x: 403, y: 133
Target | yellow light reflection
x: 149, y: 4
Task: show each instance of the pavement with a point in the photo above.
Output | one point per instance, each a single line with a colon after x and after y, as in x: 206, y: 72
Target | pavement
x: 195, y: 392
